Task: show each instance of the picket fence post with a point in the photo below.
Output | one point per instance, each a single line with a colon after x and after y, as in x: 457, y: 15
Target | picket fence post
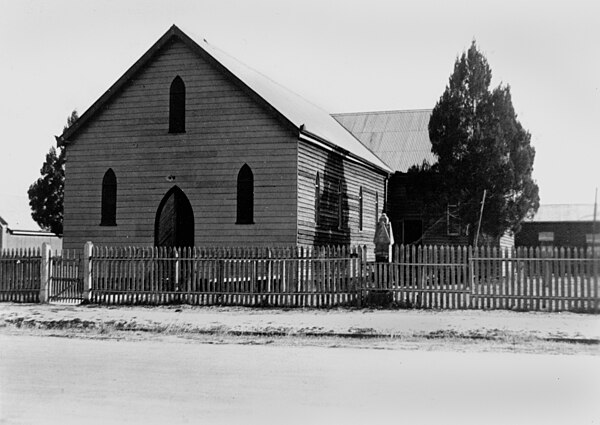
x: 45, y: 273
x: 87, y: 271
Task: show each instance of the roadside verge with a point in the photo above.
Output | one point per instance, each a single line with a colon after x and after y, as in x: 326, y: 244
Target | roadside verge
x: 497, y: 325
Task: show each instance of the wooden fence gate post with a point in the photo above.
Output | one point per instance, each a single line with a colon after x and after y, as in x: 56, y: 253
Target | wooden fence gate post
x: 45, y: 273
x: 87, y: 271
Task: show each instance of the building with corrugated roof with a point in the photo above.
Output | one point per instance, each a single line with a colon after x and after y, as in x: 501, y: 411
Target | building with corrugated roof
x: 24, y: 239
x: 191, y: 147
x: 566, y: 225
x: 401, y: 139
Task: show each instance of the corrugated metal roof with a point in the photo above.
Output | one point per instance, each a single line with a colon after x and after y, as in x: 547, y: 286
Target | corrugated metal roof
x: 297, y: 110
x: 399, y: 138
x: 294, y: 107
x: 565, y: 212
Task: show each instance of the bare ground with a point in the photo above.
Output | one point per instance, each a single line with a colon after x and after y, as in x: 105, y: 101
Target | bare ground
x: 464, y: 330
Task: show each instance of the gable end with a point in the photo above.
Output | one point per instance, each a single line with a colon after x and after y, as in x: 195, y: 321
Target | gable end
x: 173, y: 35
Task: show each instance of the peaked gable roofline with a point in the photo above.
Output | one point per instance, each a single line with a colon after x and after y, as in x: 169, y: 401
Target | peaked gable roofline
x: 354, y: 147
x: 173, y: 32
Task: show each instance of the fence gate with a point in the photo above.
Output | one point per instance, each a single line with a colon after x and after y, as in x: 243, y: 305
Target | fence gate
x: 66, y: 278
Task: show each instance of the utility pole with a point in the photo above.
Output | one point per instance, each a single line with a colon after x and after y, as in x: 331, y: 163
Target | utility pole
x: 480, y: 215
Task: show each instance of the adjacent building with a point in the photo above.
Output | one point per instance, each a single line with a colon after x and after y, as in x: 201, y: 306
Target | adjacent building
x: 565, y: 225
x: 401, y: 138
x: 25, y: 239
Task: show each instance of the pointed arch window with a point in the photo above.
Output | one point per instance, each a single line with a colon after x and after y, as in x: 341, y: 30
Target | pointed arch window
x: 360, y: 209
x: 109, y: 199
x: 245, y: 196
x: 177, y: 106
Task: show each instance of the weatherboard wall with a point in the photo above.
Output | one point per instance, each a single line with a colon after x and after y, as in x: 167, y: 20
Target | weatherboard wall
x: 564, y: 233
x: 333, y: 168
x: 225, y: 128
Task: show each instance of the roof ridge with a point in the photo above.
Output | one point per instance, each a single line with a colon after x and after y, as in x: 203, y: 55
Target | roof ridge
x: 383, y: 111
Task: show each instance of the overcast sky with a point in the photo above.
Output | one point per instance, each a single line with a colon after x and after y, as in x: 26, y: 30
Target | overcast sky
x: 344, y: 56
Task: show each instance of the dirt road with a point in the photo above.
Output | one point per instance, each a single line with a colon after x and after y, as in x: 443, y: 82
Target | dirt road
x: 49, y: 380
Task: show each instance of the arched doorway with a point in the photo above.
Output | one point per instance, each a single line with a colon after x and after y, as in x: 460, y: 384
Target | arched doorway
x: 174, y: 223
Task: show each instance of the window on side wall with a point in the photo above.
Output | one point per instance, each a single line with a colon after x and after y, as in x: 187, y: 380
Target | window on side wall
x: 452, y: 220
x: 317, y: 199
x: 360, y: 209
x: 376, y: 208
x: 340, y: 204
x: 245, y: 196
x: 546, y: 238
x: 109, y: 199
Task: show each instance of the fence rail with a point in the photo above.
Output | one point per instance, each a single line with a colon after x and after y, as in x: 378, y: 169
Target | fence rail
x: 417, y: 276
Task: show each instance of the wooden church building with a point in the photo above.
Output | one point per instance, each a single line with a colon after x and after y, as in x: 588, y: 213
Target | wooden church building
x: 191, y: 147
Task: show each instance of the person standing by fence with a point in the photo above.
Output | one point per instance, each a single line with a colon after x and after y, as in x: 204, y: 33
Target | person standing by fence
x: 383, y: 240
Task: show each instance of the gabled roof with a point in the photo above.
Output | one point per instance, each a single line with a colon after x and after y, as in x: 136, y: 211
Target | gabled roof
x: 564, y: 212
x: 400, y: 138
x: 303, y: 116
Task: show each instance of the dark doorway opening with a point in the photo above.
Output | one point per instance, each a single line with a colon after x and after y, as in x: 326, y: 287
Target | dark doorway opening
x: 174, y: 223
x: 413, y: 231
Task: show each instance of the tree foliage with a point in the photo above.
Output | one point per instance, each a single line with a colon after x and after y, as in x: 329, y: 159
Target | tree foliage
x: 47, y: 192
x: 480, y: 146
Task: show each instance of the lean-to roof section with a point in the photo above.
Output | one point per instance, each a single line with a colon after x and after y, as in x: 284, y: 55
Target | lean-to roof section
x: 400, y: 138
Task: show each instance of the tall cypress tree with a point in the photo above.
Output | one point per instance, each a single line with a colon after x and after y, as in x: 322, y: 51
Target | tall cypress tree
x: 480, y: 146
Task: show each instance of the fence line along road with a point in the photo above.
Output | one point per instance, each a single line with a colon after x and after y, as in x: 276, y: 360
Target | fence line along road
x: 20, y: 275
x: 444, y: 277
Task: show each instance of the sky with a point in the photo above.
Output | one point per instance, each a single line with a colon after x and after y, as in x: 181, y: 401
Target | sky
x: 344, y: 56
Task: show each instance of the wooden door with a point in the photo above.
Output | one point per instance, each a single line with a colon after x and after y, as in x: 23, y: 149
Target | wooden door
x: 174, y: 225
